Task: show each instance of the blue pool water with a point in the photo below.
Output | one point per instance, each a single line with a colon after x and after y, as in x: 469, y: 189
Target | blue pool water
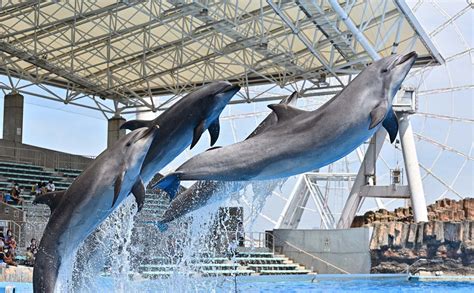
x: 320, y: 283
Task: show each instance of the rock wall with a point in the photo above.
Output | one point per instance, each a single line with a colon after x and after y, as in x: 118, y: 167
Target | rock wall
x: 445, y: 243
x: 442, y: 210
x: 431, y: 246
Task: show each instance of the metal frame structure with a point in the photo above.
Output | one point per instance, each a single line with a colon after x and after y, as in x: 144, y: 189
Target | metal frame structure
x: 117, y: 56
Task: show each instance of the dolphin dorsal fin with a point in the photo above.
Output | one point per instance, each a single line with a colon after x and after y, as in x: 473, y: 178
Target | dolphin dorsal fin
x: 291, y: 99
x: 214, y: 130
x: 284, y: 112
x: 135, y: 124
x: 51, y: 199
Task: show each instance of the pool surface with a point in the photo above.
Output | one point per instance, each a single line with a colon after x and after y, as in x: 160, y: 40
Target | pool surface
x: 307, y: 283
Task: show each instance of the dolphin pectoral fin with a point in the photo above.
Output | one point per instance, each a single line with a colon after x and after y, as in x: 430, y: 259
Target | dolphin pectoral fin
x: 214, y: 130
x: 197, y: 133
x: 117, y: 187
x: 135, y: 124
x: 378, y: 114
x: 169, y: 184
x: 284, y: 112
x: 51, y: 199
x: 139, y: 192
x: 391, y: 125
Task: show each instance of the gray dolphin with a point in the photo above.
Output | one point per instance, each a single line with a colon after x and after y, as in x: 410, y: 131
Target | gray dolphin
x: 302, y: 141
x: 183, y: 124
x: 204, y: 192
x: 76, y: 212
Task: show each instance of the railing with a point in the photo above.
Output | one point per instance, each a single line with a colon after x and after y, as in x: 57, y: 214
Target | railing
x: 266, y: 240
x: 16, y: 230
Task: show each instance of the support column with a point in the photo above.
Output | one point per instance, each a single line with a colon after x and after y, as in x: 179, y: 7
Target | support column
x: 114, y: 132
x: 410, y: 158
x: 366, y: 170
x: 13, y: 117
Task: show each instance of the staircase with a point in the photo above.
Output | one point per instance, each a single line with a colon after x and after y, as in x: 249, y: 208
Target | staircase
x: 245, y: 263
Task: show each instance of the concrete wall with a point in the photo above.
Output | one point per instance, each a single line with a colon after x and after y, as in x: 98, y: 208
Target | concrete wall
x: 23, y: 153
x: 13, y: 117
x: 347, y: 249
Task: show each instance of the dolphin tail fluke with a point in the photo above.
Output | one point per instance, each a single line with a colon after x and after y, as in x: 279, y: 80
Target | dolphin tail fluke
x: 161, y: 226
x: 169, y: 184
x: 135, y: 124
x: 51, y: 199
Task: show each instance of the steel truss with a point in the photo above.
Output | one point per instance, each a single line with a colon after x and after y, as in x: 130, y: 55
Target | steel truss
x: 117, y: 56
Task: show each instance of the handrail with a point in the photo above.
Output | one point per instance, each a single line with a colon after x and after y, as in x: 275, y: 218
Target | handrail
x: 315, y: 257
x: 291, y: 245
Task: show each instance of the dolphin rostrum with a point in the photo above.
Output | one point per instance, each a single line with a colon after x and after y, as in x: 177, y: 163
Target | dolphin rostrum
x: 302, y: 141
x: 204, y: 192
x: 94, y: 194
x: 183, y: 124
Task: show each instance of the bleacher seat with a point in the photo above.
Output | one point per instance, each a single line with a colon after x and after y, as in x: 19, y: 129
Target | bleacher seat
x: 27, y: 175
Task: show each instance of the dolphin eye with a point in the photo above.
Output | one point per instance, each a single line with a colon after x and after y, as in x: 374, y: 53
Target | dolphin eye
x: 384, y: 70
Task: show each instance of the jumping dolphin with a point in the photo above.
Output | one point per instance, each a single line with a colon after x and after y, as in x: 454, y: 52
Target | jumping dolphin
x: 94, y: 194
x: 183, y: 124
x: 302, y: 141
x: 204, y: 192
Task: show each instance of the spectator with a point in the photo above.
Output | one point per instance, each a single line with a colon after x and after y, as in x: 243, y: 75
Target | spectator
x: 1, y: 197
x: 12, y: 245
x: 240, y: 234
x: 8, y: 258
x: 15, y: 190
x: 30, y: 257
x: 50, y: 187
x: 38, y: 188
x: 43, y: 188
x: 8, y: 236
x: 2, y: 244
x: 2, y: 257
x: 33, y: 245
x: 17, y: 199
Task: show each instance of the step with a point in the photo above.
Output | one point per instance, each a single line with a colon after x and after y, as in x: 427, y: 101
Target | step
x: 255, y: 253
x: 260, y: 259
x: 284, y: 272
x: 277, y: 266
x: 228, y: 273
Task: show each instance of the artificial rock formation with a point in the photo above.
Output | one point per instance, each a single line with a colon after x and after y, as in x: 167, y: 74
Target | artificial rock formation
x: 442, y: 210
x: 445, y: 243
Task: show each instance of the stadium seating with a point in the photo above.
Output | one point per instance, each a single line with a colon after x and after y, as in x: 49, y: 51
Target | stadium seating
x: 28, y: 175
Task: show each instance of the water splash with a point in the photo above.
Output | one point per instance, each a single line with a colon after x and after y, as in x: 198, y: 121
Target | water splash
x: 121, y: 245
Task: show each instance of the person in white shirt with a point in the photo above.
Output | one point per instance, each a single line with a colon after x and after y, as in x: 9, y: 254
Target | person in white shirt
x: 50, y: 186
